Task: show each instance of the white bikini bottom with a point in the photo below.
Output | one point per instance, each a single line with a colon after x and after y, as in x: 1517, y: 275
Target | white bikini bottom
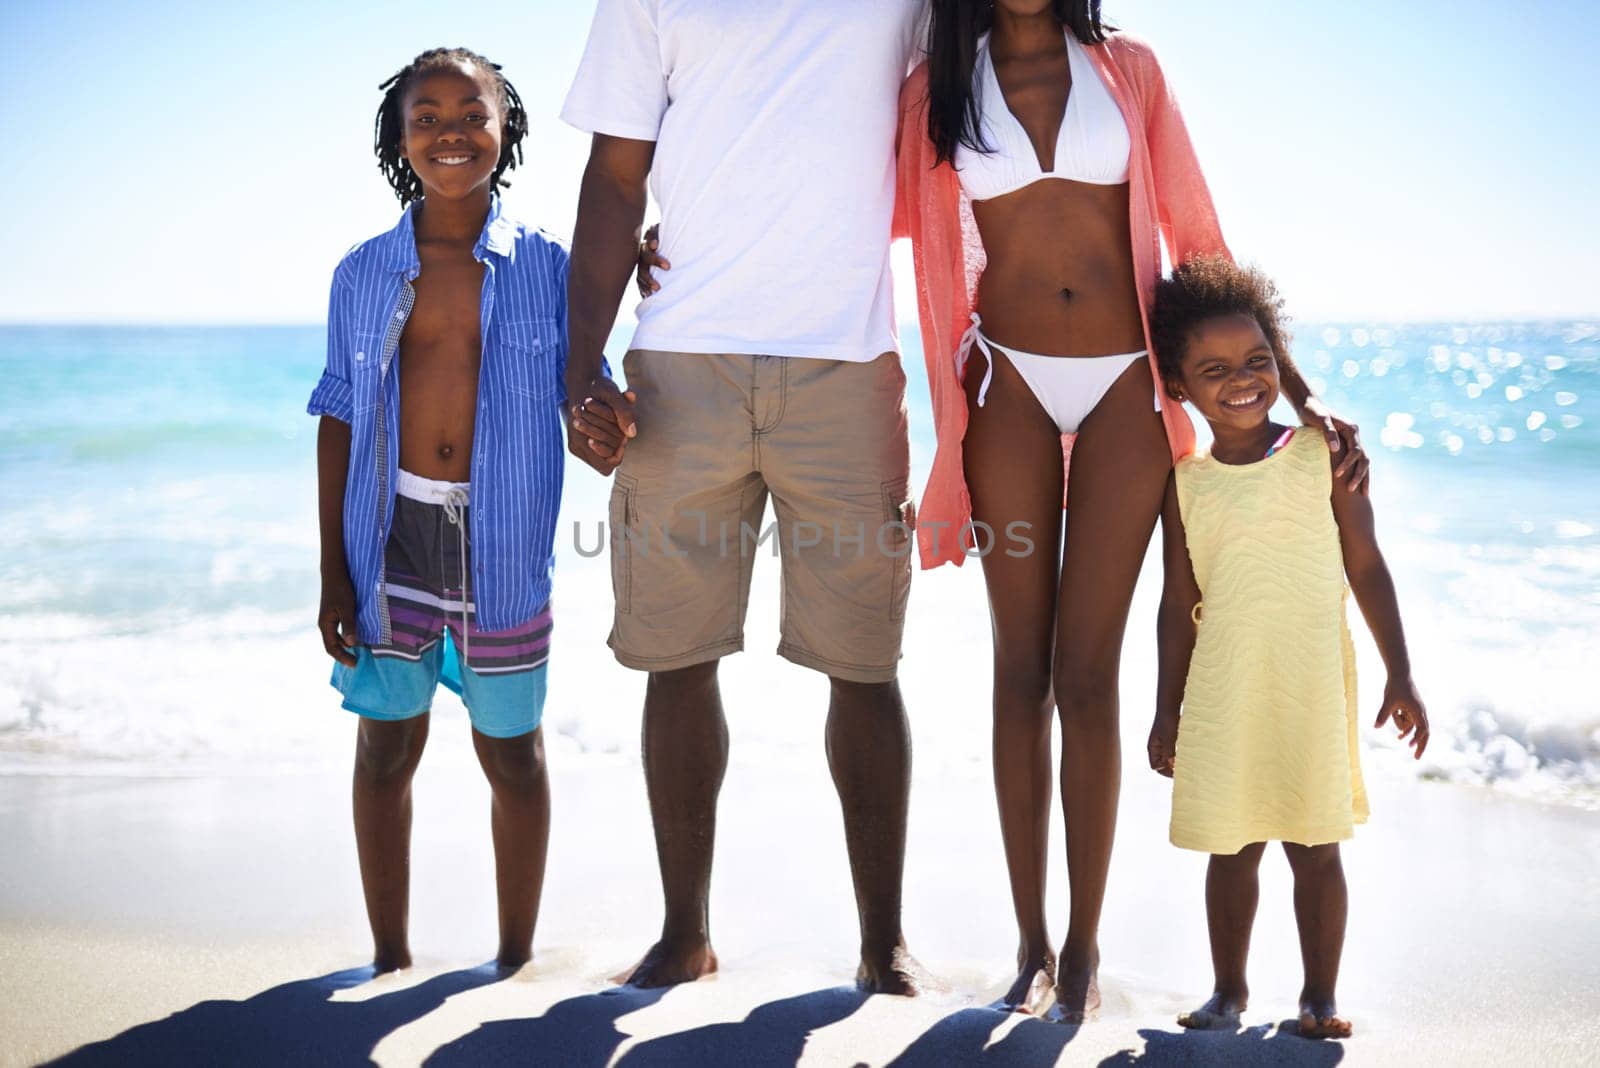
x: 1068, y: 388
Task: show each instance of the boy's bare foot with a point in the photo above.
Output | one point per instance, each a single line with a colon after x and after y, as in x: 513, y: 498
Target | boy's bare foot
x: 1078, y: 991
x: 667, y: 964
x: 1035, y: 988
x: 895, y: 972
x: 1221, y: 1013
x: 1321, y: 1019
x: 386, y: 961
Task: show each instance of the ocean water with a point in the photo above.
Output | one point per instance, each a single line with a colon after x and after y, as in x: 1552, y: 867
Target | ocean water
x: 158, y: 555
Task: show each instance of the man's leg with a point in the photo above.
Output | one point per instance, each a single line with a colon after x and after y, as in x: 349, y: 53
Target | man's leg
x: 869, y: 754
x: 685, y: 758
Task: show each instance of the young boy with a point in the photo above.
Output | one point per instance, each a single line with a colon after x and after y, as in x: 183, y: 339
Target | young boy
x: 439, y: 463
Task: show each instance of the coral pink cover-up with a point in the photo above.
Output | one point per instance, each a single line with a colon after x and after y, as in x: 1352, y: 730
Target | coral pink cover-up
x: 1167, y: 199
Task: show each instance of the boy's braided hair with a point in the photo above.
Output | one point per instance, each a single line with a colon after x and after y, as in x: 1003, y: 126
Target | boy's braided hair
x: 388, y: 129
x: 1207, y: 287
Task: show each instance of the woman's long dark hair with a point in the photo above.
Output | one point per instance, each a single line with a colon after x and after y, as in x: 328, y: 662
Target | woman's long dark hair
x: 953, y: 36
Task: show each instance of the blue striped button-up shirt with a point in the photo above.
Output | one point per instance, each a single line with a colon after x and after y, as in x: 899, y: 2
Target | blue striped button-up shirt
x: 518, y: 452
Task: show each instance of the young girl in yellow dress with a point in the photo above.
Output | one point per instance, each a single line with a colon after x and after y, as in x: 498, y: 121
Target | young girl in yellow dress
x: 1254, y: 649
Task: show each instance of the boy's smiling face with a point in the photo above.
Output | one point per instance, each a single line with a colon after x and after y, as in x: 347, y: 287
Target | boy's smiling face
x: 452, y: 130
x: 1229, y: 372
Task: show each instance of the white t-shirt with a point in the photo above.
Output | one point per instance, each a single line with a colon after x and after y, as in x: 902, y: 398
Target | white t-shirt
x: 774, y: 123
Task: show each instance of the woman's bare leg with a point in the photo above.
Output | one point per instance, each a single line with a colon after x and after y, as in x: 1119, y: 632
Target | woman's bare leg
x: 1013, y: 468
x: 1118, y: 477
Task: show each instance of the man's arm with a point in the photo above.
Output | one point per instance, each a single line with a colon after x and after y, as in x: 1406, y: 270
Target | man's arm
x: 336, y: 616
x: 605, y: 256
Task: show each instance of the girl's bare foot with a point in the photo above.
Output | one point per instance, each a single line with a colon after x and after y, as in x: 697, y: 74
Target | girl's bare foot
x: 667, y: 964
x: 1078, y: 990
x: 1221, y: 1013
x: 895, y: 972
x: 1035, y: 988
x: 1321, y: 1019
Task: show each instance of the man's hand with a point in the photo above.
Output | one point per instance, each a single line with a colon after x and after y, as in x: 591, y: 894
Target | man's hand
x: 600, y: 422
x: 1344, y: 440
x: 336, y: 619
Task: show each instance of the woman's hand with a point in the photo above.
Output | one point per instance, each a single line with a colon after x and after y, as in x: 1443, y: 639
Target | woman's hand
x: 650, y: 259
x: 1163, y: 744
x: 1401, y: 704
x: 1343, y: 437
x: 336, y: 618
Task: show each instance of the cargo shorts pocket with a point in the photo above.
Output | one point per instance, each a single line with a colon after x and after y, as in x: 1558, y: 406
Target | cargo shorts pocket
x: 895, y: 542
x: 623, y: 516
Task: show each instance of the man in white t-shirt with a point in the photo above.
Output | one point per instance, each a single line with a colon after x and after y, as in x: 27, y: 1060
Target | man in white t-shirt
x: 766, y: 363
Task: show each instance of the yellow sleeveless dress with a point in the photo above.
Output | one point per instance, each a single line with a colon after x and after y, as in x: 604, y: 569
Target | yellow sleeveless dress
x: 1267, y: 741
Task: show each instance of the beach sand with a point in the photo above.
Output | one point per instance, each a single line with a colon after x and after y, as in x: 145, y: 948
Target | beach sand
x: 208, y: 921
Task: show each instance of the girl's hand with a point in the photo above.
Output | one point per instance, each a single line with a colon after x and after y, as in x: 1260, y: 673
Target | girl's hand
x: 1401, y: 704
x: 1344, y: 440
x: 650, y: 259
x: 1163, y: 744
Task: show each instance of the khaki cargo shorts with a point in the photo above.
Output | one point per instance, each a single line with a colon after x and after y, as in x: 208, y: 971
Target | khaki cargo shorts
x: 717, y: 434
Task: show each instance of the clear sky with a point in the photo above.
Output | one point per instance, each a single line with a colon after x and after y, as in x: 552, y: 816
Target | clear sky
x: 179, y: 161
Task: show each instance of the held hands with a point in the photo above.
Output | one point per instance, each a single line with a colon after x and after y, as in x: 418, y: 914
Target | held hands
x: 650, y: 259
x: 600, y: 423
x: 1401, y: 704
x: 336, y: 618
x: 1343, y: 437
x: 1163, y: 744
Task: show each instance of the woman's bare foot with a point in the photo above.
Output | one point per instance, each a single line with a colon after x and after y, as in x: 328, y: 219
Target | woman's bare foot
x: 1221, y: 1013
x: 509, y: 960
x: 1078, y: 990
x: 667, y: 964
x: 1320, y: 1019
x: 1035, y: 988
x: 895, y: 972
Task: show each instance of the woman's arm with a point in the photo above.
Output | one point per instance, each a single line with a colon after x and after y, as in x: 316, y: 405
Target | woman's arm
x: 1175, y: 632
x: 1373, y: 587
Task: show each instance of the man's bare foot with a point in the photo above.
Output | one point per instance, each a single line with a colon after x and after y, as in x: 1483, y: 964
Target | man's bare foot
x: 1035, y: 988
x: 1078, y: 991
x: 508, y: 961
x: 669, y: 964
x: 1221, y: 1013
x: 1321, y: 1019
x: 896, y: 972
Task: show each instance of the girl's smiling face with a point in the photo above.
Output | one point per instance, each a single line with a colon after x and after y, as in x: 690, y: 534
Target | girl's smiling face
x: 1229, y: 372
x: 452, y: 130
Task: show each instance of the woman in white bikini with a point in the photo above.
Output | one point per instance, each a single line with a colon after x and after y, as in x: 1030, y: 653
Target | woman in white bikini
x: 1057, y: 137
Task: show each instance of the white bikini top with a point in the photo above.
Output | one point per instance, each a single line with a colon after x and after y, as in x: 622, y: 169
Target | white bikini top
x: 1092, y: 146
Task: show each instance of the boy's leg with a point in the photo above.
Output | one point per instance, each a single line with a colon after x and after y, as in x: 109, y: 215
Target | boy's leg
x: 387, y: 752
x: 520, y: 819
x: 1232, y: 890
x: 1321, y: 904
x: 685, y: 759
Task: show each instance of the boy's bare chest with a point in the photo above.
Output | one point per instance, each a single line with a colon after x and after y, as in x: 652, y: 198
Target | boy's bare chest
x: 444, y: 322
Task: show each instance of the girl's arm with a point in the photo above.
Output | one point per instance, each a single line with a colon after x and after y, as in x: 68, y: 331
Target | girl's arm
x: 1175, y: 632
x: 1374, y: 589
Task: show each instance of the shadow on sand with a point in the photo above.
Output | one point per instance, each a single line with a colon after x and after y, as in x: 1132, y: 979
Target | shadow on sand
x: 295, y: 1023
x: 581, y: 1032
x: 1252, y: 1045
x: 962, y: 1038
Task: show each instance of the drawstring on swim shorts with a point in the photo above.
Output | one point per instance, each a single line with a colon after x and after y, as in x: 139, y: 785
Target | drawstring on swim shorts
x: 455, y: 501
